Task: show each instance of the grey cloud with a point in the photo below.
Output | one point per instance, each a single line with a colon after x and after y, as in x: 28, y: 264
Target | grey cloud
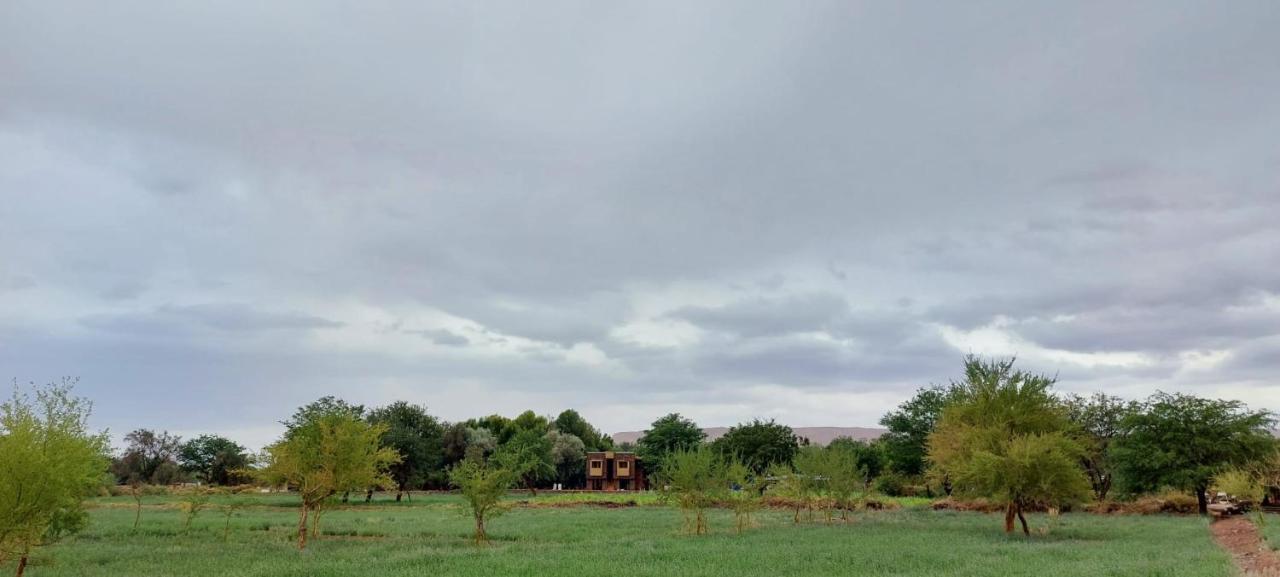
x: 444, y: 337
x: 863, y: 171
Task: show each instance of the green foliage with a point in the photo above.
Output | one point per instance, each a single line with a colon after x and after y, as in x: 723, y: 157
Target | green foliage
x: 870, y: 458
x: 759, y: 444
x: 906, y: 442
x: 498, y: 425
x: 1096, y: 422
x: 49, y: 462
x: 214, y: 460
x: 529, y: 421
x: 1183, y: 441
x: 696, y: 480
x: 666, y: 435
x: 416, y: 436
x: 193, y: 502
x: 569, y: 421
x: 803, y: 484
x: 568, y: 455
x: 746, y: 490
x: 528, y: 456
x: 325, y: 452
x: 149, y: 457
x: 844, y: 473
x: 1004, y: 436
x: 482, y: 484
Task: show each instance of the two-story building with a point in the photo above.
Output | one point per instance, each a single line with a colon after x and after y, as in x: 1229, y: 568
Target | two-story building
x: 613, y: 471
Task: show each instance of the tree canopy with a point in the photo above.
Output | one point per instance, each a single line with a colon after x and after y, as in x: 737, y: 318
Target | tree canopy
x: 666, y: 435
x: 1004, y: 436
x: 213, y: 459
x: 759, y: 444
x: 50, y: 462
x: 1184, y: 441
x: 417, y: 437
x: 909, y: 426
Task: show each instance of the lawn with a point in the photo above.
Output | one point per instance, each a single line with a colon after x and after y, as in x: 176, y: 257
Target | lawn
x: 430, y: 536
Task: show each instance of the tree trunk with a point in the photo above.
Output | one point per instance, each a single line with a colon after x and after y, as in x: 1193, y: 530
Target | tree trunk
x: 368, y: 496
x: 302, y: 528
x: 1009, y: 513
x: 137, y: 516
x: 481, y: 536
x: 1025, y: 531
x: 346, y: 497
x: 1202, y: 499
x: 533, y: 490
x: 398, y: 495
x: 22, y: 565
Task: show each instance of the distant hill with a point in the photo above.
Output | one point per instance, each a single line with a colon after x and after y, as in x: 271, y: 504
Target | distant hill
x: 816, y: 435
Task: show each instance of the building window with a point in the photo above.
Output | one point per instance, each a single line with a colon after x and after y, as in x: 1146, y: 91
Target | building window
x: 597, y: 467
x: 624, y: 468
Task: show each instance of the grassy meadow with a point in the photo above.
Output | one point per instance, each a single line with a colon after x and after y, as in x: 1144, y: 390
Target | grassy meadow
x: 551, y: 536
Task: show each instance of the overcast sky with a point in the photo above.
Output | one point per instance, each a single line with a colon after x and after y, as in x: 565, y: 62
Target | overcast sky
x: 212, y: 212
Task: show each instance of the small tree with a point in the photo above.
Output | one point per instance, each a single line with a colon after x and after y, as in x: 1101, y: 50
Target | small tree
x: 192, y: 503
x: 843, y: 476
x: 528, y: 456
x: 324, y: 453
x: 1004, y: 436
x: 213, y: 460
x: 746, y: 488
x: 230, y: 508
x: 50, y: 462
x: 695, y: 479
x: 482, y: 485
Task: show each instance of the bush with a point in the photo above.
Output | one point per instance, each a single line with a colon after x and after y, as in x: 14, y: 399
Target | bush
x: 893, y: 485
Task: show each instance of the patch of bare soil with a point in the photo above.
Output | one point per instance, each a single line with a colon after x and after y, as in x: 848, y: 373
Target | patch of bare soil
x: 1242, y: 539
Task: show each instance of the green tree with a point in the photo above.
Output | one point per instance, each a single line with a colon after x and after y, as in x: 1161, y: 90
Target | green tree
x: 530, y: 421
x: 746, y: 487
x: 1005, y: 436
x: 569, y: 421
x: 214, y: 460
x: 528, y: 456
x: 50, y: 463
x: 482, y: 484
x: 844, y: 474
x: 759, y: 444
x: 454, y: 443
x: 1184, y: 441
x: 667, y: 435
x: 870, y: 458
x: 149, y: 457
x: 324, y: 453
x: 417, y: 437
x: 1096, y: 420
x: 568, y: 454
x: 909, y: 427
x: 696, y: 479
x: 803, y: 484
x: 498, y: 425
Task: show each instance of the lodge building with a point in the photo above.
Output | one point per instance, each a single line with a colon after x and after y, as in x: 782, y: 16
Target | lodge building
x: 613, y: 471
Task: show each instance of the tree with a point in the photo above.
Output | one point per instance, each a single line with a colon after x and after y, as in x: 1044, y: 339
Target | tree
x: 569, y: 421
x: 455, y: 443
x: 746, y: 489
x: 696, y: 479
x: 802, y: 484
x: 906, y: 442
x: 1184, y: 441
x: 842, y: 473
x: 528, y: 456
x: 568, y: 454
x: 498, y: 425
x: 667, y: 435
x: 417, y: 437
x: 480, y: 443
x: 327, y: 405
x: 529, y: 421
x: 326, y: 452
x: 1097, y: 421
x: 869, y: 458
x: 214, y: 460
x: 482, y: 484
x: 149, y: 457
x: 759, y: 444
x: 50, y: 463
x: 1004, y: 436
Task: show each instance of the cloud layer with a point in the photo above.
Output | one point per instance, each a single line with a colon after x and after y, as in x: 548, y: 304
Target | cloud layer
x: 214, y: 213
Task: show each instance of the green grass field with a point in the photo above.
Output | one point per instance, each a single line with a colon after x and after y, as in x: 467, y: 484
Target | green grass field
x: 549, y: 536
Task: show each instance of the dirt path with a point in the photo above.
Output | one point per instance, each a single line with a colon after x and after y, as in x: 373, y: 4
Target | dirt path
x: 1241, y: 538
